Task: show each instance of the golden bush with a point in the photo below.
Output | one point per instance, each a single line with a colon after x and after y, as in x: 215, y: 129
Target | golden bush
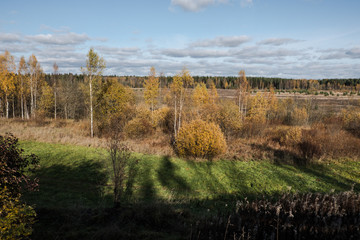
x: 138, y: 127
x: 229, y: 118
x: 299, y: 116
x: 291, y: 136
x: 351, y: 120
x: 164, y: 119
x: 200, y: 139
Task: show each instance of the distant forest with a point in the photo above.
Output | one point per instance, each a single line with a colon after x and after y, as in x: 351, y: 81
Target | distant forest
x: 229, y: 82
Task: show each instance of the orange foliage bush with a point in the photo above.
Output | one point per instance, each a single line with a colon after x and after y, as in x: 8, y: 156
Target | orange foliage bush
x: 200, y: 139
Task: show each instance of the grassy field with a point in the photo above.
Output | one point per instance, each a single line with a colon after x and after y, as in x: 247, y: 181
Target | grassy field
x: 165, y: 198
x: 75, y: 176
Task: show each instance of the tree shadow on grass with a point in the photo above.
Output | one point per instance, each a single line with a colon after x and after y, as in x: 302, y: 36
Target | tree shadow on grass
x: 82, y: 185
x: 147, y: 189
x: 170, y: 179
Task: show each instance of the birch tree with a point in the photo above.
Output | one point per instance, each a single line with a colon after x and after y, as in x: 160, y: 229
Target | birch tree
x: 56, y: 68
x: 151, y: 91
x: 7, y: 77
x: 35, y: 72
x: 95, y: 65
x: 178, y: 88
x: 22, y: 75
x: 243, y: 89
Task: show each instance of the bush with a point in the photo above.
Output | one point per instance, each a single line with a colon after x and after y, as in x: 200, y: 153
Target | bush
x: 290, y: 136
x: 200, y: 139
x: 138, y: 127
x: 351, y: 121
x: 15, y: 218
x: 299, y: 116
x: 164, y: 119
x: 229, y: 119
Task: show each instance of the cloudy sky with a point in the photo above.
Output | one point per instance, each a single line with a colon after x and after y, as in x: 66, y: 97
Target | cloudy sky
x: 271, y: 38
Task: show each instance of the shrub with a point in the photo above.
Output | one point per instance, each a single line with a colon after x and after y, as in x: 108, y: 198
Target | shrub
x: 229, y: 119
x: 299, y: 116
x: 164, y: 118
x: 200, y: 139
x: 351, y: 121
x: 290, y: 136
x: 15, y: 218
x: 138, y: 127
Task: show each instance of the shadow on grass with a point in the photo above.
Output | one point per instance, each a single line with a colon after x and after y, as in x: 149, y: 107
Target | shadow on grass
x: 170, y: 179
x: 82, y: 185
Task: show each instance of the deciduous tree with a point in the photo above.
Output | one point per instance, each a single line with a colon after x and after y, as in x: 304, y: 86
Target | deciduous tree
x: 7, y: 77
x: 151, y: 91
x: 35, y: 82
x: 178, y: 88
x: 95, y: 65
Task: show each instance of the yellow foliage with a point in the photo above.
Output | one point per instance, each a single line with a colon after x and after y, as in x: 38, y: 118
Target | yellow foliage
x: 162, y: 117
x: 350, y: 119
x: 258, y: 109
x: 46, y: 99
x: 229, y: 118
x: 300, y: 116
x: 291, y: 136
x: 15, y: 218
x: 151, y: 91
x: 200, y: 139
x: 138, y: 127
x: 273, y: 104
x: 200, y: 95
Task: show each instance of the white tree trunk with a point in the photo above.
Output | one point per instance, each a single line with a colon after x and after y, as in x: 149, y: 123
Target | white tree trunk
x: 55, y: 105
x: 7, y: 106
x: 175, y: 120
x: 91, y: 109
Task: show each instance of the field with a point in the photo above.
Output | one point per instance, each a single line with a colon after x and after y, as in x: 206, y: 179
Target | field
x: 167, y: 197
x: 76, y: 179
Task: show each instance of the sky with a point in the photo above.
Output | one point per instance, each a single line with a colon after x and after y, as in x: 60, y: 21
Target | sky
x: 312, y: 39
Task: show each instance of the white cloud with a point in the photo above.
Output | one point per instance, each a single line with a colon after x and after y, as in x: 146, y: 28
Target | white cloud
x: 9, y: 37
x: 278, y: 41
x: 193, y: 5
x: 194, y: 53
x: 341, y: 53
x: 59, y: 39
x: 222, y: 41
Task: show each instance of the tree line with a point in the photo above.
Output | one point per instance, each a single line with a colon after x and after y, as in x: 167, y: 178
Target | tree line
x: 27, y: 92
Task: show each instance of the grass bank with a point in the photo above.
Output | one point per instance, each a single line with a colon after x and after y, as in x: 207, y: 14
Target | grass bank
x: 76, y: 176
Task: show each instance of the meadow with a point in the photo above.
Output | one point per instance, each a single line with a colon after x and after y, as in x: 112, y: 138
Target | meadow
x: 75, y: 194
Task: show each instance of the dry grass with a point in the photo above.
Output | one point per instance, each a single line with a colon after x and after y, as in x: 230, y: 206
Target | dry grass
x: 78, y: 133
x: 62, y: 131
x: 319, y: 141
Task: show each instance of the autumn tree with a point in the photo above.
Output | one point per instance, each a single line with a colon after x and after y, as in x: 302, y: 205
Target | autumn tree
x: 46, y: 102
x: 115, y: 107
x: 200, y: 95
x: 178, y: 88
x: 55, y: 68
x: 34, y: 82
x: 23, y: 87
x: 7, y: 77
x: 151, y: 91
x: 95, y: 65
x: 243, y: 89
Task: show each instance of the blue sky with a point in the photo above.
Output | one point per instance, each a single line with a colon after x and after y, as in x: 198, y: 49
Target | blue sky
x: 271, y: 38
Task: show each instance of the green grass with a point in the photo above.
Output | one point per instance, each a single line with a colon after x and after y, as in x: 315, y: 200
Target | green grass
x: 74, y: 176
